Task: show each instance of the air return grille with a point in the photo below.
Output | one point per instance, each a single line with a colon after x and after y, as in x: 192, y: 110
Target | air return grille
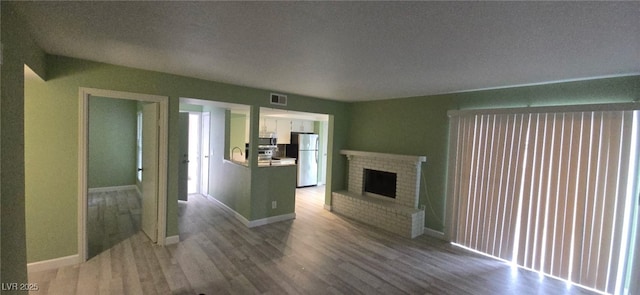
x: 279, y: 99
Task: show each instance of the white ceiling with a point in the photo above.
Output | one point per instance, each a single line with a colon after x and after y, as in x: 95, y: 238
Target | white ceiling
x: 350, y: 51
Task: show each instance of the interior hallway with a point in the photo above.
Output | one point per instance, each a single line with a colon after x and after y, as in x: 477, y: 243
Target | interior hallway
x: 317, y: 253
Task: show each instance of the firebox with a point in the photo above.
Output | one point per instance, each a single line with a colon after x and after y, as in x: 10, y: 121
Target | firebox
x: 381, y: 183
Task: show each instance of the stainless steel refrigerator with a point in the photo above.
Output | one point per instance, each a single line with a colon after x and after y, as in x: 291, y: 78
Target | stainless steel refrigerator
x: 305, y: 149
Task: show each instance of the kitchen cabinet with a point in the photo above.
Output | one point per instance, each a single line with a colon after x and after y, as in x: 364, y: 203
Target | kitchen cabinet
x: 283, y: 128
x: 267, y: 125
x: 301, y: 126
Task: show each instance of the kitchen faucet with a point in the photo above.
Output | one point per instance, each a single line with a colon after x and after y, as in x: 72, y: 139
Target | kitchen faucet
x: 233, y: 150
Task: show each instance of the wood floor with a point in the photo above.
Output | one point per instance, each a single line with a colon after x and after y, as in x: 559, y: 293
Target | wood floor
x: 112, y: 217
x: 317, y: 253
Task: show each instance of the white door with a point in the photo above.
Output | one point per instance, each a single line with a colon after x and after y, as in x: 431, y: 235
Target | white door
x: 195, y: 132
x: 322, y: 165
x: 204, y: 187
x: 150, y: 170
x: 183, y: 165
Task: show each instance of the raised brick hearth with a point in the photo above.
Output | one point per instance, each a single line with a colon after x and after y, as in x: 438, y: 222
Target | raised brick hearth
x: 400, y: 215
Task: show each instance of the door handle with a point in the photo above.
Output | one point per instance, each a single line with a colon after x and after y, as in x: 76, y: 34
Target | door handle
x: 185, y: 161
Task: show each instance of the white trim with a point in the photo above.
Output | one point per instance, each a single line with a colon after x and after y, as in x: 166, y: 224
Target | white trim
x: 172, y: 240
x: 257, y: 222
x: 163, y: 154
x: 620, y: 106
x: 272, y: 219
x: 237, y: 215
x: 539, y: 83
x: 327, y: 207
x: 112, y: 188
x: 434, y: 233
x: 397, y: 157
x: 83, y: 155
x: 53, y: 263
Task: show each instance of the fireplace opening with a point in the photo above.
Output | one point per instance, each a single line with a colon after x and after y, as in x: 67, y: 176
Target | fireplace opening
x: 380, y: 183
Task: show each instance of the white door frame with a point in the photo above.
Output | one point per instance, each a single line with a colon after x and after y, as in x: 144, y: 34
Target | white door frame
x: 83, y: 147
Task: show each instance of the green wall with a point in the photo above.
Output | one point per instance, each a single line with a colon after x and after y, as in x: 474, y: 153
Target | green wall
x: 53, y: 185
x: 112, y: 142
x: 18, y: 50
x: 273, y: 184
x: 227, y: 181
x: 419, y: 125
x: 237, y: 130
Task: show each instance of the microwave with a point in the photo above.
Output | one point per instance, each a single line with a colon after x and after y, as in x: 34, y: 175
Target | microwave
x: 267, y: 141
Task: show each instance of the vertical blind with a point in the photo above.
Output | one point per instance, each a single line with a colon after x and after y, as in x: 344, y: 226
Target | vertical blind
x: 544, y: 190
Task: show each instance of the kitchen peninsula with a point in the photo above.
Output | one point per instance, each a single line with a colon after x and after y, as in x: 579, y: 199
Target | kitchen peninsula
x: 263, y: 194
x: 256, y: 192
x: 274, y: 162
x: 260, y: 188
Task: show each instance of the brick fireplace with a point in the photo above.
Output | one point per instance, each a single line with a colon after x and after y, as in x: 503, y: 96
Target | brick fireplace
x: 399, y: 214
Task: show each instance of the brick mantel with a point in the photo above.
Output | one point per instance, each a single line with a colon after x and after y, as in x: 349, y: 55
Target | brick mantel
x: 402, y: 214
x: 406, y: 167
x: 393, y: 157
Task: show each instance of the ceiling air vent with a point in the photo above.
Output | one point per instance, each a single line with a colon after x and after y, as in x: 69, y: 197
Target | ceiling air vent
x: 279, y: 99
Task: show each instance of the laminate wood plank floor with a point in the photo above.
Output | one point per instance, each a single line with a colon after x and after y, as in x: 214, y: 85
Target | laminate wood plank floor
x: 317, y: 253
x: 112, y: 217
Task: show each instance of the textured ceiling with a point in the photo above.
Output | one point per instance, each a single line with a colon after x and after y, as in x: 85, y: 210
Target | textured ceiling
x: 350, y: 51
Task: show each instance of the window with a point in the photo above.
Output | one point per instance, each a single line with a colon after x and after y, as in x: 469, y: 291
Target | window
x: 548, y: 190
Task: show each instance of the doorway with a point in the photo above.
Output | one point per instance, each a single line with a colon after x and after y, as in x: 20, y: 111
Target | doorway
x: 193, y: 145
x: 154, y: 165
x: 114, y: 201
x: 290, y: 127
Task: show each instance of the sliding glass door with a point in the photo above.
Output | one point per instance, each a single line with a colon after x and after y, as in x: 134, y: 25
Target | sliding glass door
x: 550, y: 190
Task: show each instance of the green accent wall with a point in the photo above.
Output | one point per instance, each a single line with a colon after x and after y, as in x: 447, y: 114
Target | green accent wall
x: 50, y: 199
x: 112, y: 142
x: 237, y: 136
x: 228, y: 182
x: 420, y: 126
x: 272, y: 184
x: 18, y: 50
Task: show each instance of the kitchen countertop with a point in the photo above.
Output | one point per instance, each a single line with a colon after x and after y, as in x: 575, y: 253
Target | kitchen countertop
x: 271, y: 163
x: 277, y: 162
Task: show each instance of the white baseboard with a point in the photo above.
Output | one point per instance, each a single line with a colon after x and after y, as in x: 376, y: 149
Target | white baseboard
x: 237, y: 215
x: 112, y: 188
x: 172, y: 240
x: 272, y: 219
x: 257, y: 222
x: 327, y: 207
x: 434, y: 233
x: 53, y: 263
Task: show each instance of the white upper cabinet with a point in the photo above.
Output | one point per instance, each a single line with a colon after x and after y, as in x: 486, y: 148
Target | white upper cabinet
x: 301, y: 126
x: 283, y: 128
x: 267, y: 125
